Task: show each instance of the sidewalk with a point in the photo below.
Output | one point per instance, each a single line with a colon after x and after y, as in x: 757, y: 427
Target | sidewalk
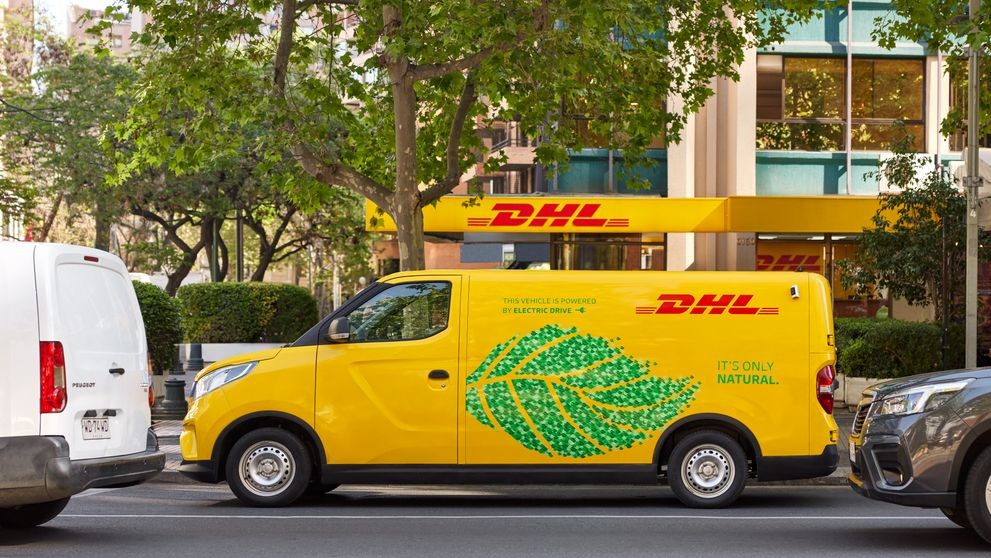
x: 168, y: 439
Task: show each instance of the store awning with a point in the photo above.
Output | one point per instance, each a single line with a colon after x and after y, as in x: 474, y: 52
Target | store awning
x: 632, y: 214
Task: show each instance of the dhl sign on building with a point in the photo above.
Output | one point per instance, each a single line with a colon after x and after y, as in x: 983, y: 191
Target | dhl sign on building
x: 767, y: 233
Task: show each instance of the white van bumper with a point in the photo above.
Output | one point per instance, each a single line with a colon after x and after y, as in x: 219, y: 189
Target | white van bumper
x: 36, y: 469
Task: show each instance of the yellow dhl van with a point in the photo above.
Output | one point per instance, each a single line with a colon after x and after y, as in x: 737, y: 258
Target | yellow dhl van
x: 700, y: 380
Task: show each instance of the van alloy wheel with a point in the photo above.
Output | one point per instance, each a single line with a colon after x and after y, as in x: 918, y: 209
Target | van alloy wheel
x: 268, y: 467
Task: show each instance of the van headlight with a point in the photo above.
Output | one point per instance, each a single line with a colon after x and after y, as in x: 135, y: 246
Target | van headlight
x: 920, y: 399
x: 220, y: 377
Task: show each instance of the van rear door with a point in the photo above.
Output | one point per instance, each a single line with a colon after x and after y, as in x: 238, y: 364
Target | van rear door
x: 87, y: 303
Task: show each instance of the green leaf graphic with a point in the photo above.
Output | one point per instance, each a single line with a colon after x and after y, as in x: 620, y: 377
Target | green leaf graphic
x: 562, y: 393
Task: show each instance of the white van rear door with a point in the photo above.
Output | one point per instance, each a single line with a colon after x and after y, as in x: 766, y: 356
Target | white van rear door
x: 88, y: 304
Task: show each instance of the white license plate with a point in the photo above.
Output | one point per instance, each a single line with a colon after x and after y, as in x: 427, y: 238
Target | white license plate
x: 96, y: 428
x: 853, y: 453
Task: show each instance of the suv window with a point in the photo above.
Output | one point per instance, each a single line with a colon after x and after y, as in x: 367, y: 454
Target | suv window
x: 402, y: 313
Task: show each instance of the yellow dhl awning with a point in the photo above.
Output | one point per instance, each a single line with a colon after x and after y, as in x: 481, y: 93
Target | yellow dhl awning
x: 616, y: 215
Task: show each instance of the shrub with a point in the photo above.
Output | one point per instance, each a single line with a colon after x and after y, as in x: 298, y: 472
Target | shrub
x: 245, y: 312
x: 887, y: 348
x: 163, y: 330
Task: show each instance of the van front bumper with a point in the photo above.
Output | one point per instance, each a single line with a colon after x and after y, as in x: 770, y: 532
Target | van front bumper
x: 35, y: 469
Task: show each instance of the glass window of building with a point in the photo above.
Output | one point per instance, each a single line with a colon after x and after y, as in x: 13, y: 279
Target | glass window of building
x: 608, y: 252
x: 801, y: 103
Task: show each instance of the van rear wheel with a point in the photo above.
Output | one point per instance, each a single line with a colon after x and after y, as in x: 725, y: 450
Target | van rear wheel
x: 707, y: 469
x: 268, y: 467
x: 31, y: 515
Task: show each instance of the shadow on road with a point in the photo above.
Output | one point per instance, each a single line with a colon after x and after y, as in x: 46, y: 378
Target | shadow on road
x: 48, y: 535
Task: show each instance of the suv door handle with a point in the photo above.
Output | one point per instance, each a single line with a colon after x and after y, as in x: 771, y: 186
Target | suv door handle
x: 116, y: 371
x: 438, y: 375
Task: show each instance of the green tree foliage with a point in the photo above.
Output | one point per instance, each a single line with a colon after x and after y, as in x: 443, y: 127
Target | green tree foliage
x: 916, y: 248
x: 163, y: 330
x: 245, y: 312
x: 53, y: 143
x: 381, y: 97
x: 945, y: 26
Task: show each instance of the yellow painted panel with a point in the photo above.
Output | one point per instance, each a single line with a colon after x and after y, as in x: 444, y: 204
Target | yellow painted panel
x: 281, y: 384
x: 546, y: 214
x: 812, y: 214
x: 616, y: 214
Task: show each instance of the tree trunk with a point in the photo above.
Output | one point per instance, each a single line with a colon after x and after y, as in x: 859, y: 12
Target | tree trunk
x: 265, y: 255
x: 224, y: 265
x: 46, y: 227
x: 103, y: 224
x: 180, y: 273
x: 409, y: 232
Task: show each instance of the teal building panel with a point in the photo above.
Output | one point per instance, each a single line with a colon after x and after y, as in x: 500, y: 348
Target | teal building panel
x: 588, y: 173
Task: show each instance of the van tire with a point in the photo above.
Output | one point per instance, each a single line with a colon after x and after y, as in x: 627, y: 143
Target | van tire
x: 31, y: 515
x: 268, y: 468
x: 977, y: 499
x: 707, y: 469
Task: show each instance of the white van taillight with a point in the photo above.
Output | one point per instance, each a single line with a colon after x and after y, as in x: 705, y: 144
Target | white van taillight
x: 53, y: 394
x: 151, y: 395
x: 824, y: 388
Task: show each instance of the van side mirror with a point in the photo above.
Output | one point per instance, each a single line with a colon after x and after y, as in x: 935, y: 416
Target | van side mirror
x: 339, y: 330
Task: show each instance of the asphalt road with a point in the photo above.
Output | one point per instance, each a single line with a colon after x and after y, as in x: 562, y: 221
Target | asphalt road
x: 356, y: 521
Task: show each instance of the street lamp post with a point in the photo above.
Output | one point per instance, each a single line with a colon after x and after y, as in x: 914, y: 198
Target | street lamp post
x: 972, y: 183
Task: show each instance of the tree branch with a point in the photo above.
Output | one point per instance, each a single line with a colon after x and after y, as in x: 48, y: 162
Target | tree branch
x: 453, y: 176
x: 470, y: 62
x: 341, y: 175
x: 286, y: 30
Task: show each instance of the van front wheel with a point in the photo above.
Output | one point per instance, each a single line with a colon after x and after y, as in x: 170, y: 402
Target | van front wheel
x: 268, y: 467
x: 707, y: 469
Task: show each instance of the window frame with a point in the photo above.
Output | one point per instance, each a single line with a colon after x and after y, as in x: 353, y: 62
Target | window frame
x: 854, y: 121
x: 447, y: 324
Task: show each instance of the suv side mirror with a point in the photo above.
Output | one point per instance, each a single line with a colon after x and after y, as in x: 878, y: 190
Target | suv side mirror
x: 339, y: 330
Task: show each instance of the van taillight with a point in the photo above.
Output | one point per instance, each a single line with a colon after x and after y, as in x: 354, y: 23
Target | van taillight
x: 824, y: 388
x: 53, y: 394
x: 151, y: 395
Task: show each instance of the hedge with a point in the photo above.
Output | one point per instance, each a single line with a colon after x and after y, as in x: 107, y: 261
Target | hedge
x: 245, y: 312
x: 884, y: 348
x: 163, y: 329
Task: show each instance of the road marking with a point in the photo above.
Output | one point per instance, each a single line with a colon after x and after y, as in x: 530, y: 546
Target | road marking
x: 514, y: 516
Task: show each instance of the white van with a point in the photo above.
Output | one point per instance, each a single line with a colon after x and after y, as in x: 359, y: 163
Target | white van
x: 74, y: 385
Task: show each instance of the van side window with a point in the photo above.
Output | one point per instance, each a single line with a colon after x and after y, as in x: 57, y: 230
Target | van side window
x: 403, y: 312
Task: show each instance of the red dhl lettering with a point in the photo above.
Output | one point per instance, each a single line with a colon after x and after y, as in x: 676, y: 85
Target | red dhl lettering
x: 547, y: 215
x: 788, y: 262
x: 733, y: 304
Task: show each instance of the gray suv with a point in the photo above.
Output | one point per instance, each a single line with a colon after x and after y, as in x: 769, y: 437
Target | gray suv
x: 926, y: 441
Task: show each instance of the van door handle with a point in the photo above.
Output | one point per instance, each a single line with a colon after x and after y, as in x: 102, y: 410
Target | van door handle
x: 116, y: 371
x: 438, y: 375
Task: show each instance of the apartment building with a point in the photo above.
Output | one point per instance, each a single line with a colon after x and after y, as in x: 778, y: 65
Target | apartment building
x: 116, y: 38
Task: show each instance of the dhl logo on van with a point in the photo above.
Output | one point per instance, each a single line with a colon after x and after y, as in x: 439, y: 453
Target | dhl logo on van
x: 734, y: 304
x: 788, y: 262
x: 546, y: 215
